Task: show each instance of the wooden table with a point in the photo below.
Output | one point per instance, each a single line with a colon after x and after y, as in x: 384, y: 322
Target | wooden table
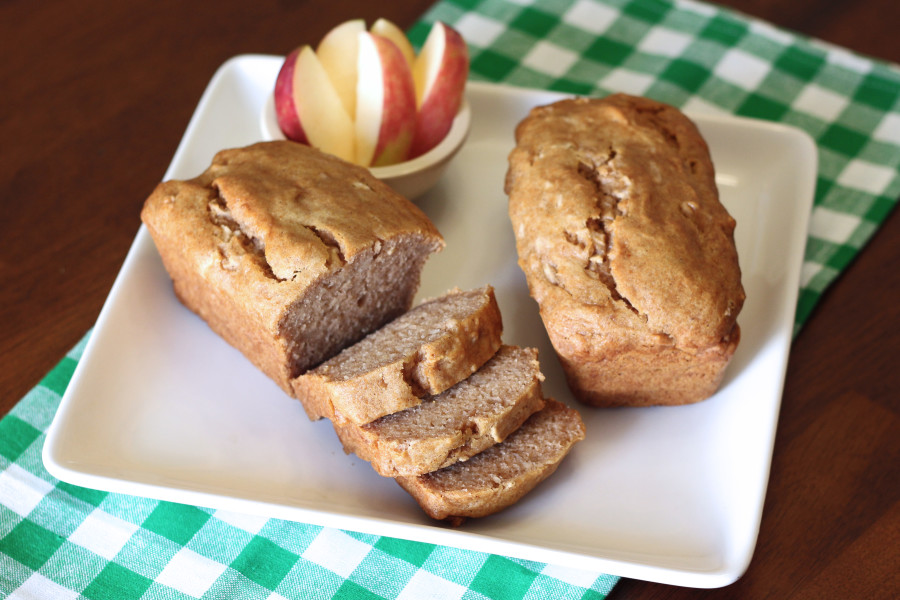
x: 96, y: 95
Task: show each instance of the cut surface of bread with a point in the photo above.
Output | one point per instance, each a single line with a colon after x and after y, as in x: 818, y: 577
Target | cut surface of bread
x: 502, y: 474
x: 289, y: 254
x: 476, y: 413
x: 420, y: 353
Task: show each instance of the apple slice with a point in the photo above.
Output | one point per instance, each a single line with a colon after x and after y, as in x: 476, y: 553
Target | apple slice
x: 338, y: 53
x: 440, y: 72
x: 285, y: 108
x: 387, y: 29
x: 308, y: 106
x: 385, y: 103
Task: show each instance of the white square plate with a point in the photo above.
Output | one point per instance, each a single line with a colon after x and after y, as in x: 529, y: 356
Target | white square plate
x: 159, y: 406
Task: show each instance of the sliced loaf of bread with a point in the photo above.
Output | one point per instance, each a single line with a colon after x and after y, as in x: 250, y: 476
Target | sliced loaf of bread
x: 288, y: 253
x: 476, y: 413
x: 499, y: 476
x: 421, y: 353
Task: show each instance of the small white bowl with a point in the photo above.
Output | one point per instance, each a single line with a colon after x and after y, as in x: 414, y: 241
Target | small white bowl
x: 411, y: 178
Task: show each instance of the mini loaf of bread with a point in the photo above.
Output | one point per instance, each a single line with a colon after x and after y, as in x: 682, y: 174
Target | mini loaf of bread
x: 473, y: 415
x: 288, y: 253
x: 421, y: 353
x: 501, y: 475
x: 626, y: 249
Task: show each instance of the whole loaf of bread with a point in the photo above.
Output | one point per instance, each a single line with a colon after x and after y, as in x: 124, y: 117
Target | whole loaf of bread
x: 626, y: 248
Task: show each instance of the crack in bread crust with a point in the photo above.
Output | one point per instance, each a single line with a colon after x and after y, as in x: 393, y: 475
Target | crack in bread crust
x: 336, y: 254
x: 601, y: 227
x: 233, y: 231
x: 234, y: 238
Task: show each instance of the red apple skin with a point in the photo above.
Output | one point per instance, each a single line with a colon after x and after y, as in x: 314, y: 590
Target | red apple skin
x: 389, y: 30
x: 442, y: 101
x: 398, y: 121
x: 285, y: 108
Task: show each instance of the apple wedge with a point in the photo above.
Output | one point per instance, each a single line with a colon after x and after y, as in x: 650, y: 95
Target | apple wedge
x: 285, y: 108
x: 308, y: 107
x: 439, y: 72
x: 385, y: 102
x: 338, y: 54
x: 387, y: 29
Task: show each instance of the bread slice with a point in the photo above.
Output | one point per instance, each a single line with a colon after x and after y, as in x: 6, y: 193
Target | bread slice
x: 288, y: 253
x: 476, y: 413
x: 421, y: 353
x: 502, y: 474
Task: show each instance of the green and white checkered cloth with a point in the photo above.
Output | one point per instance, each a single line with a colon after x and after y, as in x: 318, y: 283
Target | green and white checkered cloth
x: 61, y: 541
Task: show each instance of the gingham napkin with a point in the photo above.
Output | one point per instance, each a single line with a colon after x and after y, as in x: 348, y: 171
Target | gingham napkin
x: 62, y: 541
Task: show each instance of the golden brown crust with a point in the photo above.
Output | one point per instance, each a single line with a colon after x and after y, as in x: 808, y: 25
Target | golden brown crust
x: 264, y: 227
x: 626, y: 248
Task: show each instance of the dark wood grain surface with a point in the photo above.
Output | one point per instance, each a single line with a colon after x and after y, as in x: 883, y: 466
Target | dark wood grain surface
x: 96, y: 95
